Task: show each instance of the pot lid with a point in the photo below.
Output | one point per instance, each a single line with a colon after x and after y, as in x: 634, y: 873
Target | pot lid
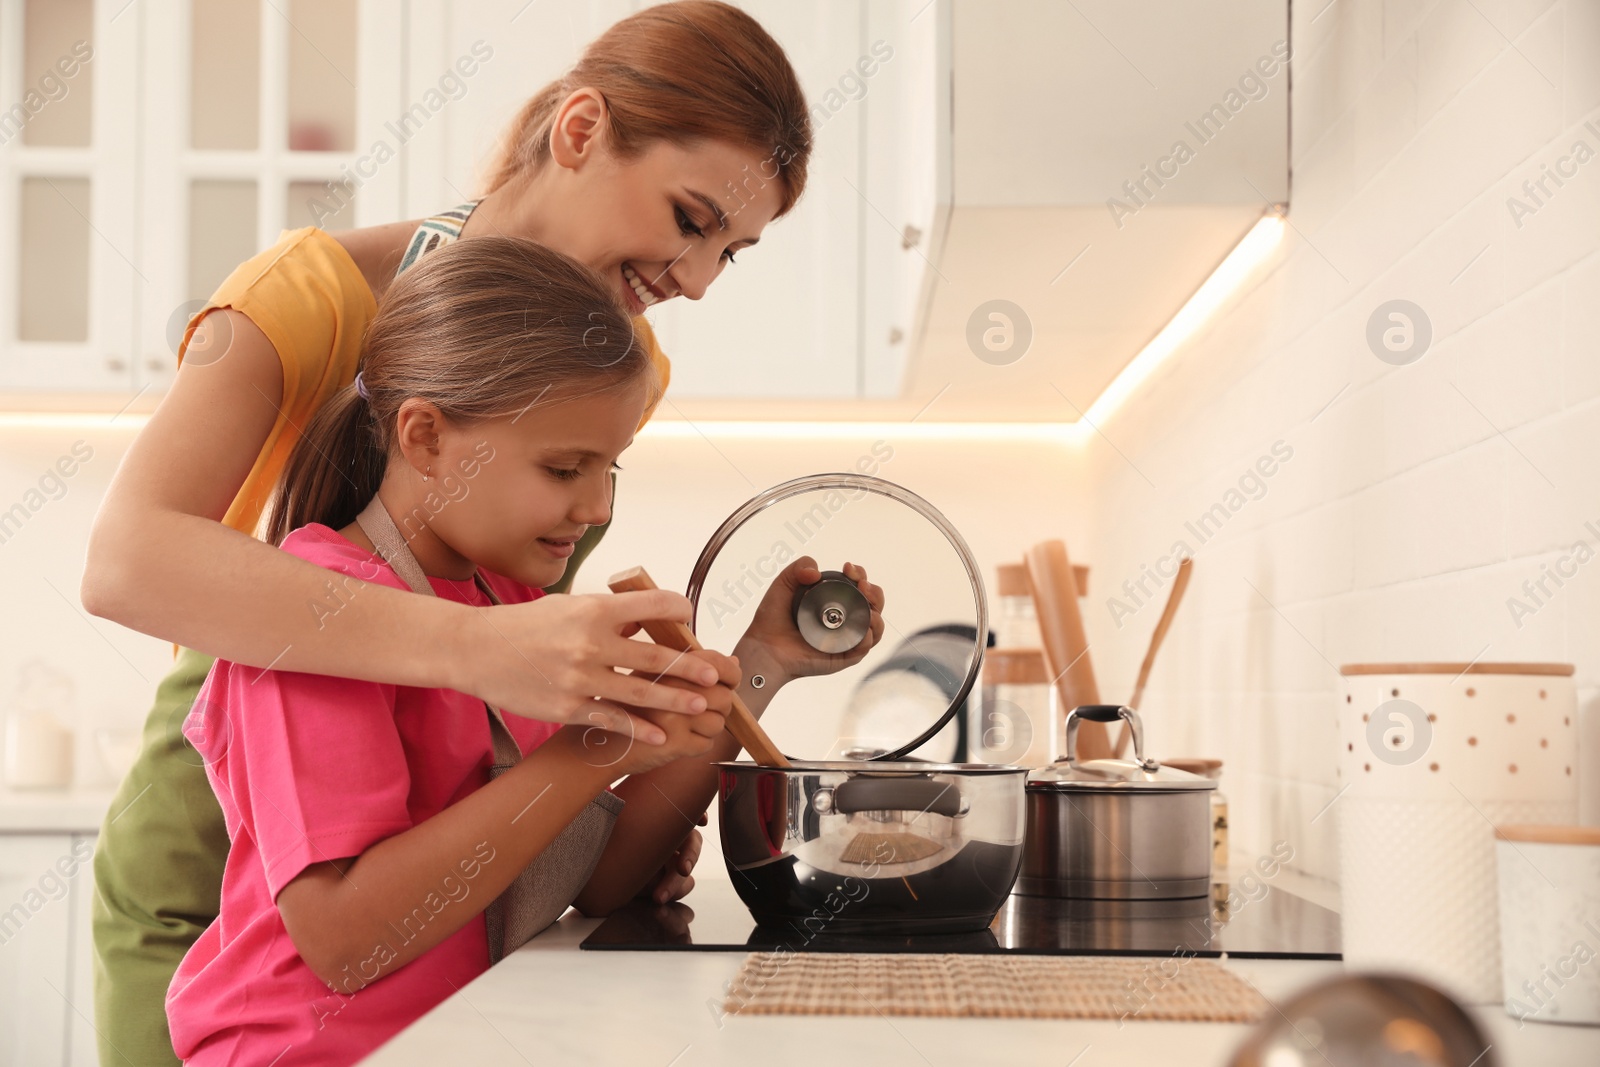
x: 879, y: 699
x: 1095, y: 774
x: 1069, y: 774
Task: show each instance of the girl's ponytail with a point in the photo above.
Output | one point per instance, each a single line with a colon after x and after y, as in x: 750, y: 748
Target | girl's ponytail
x: 335, y: 469
x: 479, y: 328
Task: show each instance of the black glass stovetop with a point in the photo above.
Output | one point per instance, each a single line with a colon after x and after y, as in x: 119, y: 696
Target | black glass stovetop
x: 1273, y: 925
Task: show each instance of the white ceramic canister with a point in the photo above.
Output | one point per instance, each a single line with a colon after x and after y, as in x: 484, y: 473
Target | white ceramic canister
x: 1550, y: 922
x: 1433, y: 756
x: 38, y: 751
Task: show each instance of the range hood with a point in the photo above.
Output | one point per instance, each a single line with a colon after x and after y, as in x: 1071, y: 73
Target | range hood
x: 1103, y: 160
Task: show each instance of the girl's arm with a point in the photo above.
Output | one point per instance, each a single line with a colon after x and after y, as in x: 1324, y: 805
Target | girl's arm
x: 342, y: 915
x: 160, y: 561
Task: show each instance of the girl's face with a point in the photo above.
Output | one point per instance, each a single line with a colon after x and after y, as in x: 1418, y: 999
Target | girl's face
x: 514, y: 493
x: 665, y: 223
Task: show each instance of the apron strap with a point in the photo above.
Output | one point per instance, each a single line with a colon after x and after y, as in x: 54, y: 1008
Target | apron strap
x: 391, y: 544
x: 543, y: 890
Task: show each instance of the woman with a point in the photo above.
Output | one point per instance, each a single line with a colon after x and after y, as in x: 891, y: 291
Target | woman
x: 679, y: 135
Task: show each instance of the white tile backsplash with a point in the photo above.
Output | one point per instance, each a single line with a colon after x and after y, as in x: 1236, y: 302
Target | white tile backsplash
x: 1414, y: 507
x: 1417, y: 504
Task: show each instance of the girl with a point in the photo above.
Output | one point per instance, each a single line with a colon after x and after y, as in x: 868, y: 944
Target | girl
x: 372, y: 853
x: 604, y: 166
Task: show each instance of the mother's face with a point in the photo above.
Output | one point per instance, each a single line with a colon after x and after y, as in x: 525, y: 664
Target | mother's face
x: 664, y: 223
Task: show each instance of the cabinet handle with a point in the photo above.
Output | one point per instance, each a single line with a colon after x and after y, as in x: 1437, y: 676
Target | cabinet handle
x: 156, y: 363
x: 896, y: 335
x: 910, y: 237
x: 114, y: 363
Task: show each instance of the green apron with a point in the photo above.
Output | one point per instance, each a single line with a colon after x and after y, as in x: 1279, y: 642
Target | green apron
x: 158, y: 867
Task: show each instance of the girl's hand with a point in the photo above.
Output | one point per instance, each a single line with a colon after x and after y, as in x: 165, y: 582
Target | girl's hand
x: 784, y: 655
x: 686, y: 735
x: 676, y: 877
x: 560, y: 658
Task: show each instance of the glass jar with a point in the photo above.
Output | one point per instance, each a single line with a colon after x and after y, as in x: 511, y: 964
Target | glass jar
x: 1212, y: 768
x: 1018, y: 721
x: 1016, y: 623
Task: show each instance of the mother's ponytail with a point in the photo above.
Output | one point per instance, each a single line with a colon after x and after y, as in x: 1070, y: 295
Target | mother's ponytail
x: 694, y: 70
x: 335, y: 469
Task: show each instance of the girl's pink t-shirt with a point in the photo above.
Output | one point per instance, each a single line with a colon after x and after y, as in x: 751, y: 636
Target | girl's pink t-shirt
x: 311, y: 768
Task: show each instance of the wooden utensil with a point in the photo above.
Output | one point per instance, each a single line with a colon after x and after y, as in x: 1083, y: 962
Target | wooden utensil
x: 1066, y: 649
x: 1179, y: 584
x: 742, y: 723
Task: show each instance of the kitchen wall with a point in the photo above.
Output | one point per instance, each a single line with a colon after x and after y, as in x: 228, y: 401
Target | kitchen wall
x: 1406, y: 504
x: 676, y: 489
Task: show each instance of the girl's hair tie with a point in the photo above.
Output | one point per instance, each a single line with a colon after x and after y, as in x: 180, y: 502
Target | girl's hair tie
x: 361, y: 387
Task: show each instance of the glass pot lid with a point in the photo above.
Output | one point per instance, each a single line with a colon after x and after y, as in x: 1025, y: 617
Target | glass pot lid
x: 883, y: 698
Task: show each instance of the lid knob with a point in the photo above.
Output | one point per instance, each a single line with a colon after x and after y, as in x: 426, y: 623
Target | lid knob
x: 832, y: 614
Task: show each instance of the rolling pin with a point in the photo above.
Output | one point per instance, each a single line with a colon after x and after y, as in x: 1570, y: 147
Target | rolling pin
x: 1066, y: 649
x: 742, y: 723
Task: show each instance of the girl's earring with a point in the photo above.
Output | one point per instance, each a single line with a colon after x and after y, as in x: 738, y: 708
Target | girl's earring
x: 427, y: 473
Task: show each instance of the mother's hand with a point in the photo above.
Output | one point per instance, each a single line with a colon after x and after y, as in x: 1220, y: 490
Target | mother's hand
x: 784, y: 654
x: 559, y: 658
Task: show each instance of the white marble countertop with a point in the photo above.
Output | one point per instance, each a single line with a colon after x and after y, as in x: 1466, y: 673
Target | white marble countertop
x: 551, y: 1003
x: 53, y: 811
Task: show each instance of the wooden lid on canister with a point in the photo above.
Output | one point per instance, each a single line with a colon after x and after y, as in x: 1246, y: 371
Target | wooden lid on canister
x: 1205, y: 768
x: 1015, y: 666
x: 1547, y: 834
x: 1555, y: 669
x: 1013, y: 579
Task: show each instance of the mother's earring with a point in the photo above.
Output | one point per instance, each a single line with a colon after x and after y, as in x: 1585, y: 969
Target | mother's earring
x: 427, y: 473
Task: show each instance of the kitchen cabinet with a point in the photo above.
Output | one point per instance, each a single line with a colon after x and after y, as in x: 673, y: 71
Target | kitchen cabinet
x: 46, y: 977
x: 783, y: 321
x: 201, y: 128
x: 905, y: 181
x: 187, y: 134
x: 68, y: 145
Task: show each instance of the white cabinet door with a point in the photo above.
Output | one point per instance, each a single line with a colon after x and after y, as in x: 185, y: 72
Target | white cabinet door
x: 258, y: 116
x: 785, y: 320
x: 907, y: 109
x: 490, y: 56
x: 782, y: 321
x: 82, y: 1049
x: 67, y: 149
x: 35, y: 920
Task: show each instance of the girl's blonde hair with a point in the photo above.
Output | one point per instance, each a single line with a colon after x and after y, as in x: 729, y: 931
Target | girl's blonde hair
x: 695, y: 70
x: 484, y: 327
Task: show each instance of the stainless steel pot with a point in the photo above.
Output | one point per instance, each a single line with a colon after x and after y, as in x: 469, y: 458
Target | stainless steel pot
x: 880, y: 848
x: 1114, y: 828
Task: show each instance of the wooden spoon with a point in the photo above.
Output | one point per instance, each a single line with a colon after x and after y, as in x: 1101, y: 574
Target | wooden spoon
x: 1054, y: 584
x: 742, y: 723
x: 1179, y: 584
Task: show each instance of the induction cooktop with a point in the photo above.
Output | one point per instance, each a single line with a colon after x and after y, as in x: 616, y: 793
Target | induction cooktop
x: 1272, y: 925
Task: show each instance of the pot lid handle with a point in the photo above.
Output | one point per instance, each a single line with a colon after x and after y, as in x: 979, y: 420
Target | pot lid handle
x: 1108, y: 713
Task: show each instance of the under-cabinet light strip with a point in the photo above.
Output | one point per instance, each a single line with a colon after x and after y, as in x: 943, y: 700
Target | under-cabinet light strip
x: 1231, y: 273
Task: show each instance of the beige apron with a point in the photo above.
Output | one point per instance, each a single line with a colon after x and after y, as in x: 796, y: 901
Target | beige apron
x: 546, y: 887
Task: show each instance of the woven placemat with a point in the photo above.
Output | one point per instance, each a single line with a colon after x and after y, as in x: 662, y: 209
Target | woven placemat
x: 1000, y: 986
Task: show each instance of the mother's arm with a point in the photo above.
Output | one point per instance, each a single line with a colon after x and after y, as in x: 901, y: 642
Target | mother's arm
x: 161, y: 561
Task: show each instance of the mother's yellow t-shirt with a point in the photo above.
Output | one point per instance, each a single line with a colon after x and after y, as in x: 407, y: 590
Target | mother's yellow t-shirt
x: 312, y: 302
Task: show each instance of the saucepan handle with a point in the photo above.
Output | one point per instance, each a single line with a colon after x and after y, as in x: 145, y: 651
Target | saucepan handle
x: 1106, y: 713
x: 899, y: 794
